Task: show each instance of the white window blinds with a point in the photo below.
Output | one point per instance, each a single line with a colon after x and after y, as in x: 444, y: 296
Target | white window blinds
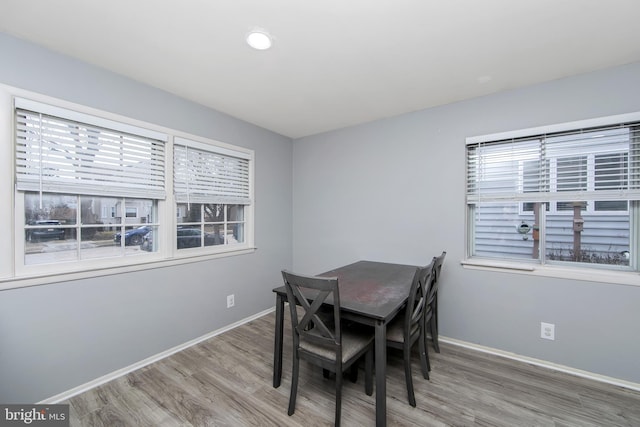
x: 209, y: 174
x: 60, y: 154
x: 588, y: 164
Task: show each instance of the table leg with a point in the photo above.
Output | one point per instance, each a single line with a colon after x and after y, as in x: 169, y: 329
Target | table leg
x: 277, y: 342
x: 381, y: 375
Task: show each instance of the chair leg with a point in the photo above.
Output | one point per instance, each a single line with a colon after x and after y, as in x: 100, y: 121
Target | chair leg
x: 407, y: 374
x: 294, y: 385
x: 434, y: 334
x: 368, y: 373
x: 426, y: 353
x: 434, y: 323
x: 435, y: 309
x: 338, y: 399
x: 424, y: 358
x: 425, y: 328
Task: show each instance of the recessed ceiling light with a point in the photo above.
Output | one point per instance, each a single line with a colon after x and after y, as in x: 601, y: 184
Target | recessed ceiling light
x: 259, y: 40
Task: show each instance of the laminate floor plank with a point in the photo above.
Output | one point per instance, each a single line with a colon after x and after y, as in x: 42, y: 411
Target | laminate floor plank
x: 226, y: 381
x: 121, y: 405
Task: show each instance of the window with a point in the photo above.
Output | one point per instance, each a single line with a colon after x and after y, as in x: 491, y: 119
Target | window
x: 131, y: 212
x: 568, y: 195
x: 92, y: 192
x: 70, y: 166
x: 211, y: 188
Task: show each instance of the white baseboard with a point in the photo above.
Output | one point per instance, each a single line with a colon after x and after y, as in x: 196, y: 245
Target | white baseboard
x: 543, y: 363
x: 120, y: 372
x: 149, y: 360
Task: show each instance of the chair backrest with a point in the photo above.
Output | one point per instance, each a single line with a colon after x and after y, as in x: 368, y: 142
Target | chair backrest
x: 437, y: 265
x: 310, y: 293
x: 437, y: 262
x: 417, y: 302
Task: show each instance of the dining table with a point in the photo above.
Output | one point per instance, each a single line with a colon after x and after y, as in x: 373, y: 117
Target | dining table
x: 371, y: 293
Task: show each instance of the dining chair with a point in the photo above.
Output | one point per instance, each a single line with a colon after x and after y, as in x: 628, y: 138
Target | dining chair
x: 325, y: 344
x: 408, y: 327
x: 432, y: 300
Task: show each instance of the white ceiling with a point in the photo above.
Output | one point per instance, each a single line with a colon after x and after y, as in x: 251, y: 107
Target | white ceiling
x: 334, y: 63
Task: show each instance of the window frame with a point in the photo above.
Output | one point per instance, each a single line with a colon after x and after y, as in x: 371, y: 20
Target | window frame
x: 13, y: 270
x: 577, y: 271
x: 220, y: 179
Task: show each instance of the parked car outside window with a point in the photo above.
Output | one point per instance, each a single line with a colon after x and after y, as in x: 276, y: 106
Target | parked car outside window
x: 132, y: 237
x: 53, y: 232
x: 187, y: 237
x: 191, y: 238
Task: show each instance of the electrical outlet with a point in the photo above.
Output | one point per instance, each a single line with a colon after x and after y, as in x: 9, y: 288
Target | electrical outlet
x: 547, y: 331
x: 230, y: 301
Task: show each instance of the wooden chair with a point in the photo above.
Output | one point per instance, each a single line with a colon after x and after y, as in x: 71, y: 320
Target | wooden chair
x: 320, y: 342
x: 408, y: 327
x: 432, y: 300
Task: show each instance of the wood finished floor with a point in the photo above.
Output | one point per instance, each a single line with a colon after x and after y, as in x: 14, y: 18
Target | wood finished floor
x: 226, y: 381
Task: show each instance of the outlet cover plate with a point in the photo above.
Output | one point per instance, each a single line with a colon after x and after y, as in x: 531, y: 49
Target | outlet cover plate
x: 547, y: 331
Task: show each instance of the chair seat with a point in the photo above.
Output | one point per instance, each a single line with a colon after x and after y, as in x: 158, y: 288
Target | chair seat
x: 395, y: 329
x: 351, y: 345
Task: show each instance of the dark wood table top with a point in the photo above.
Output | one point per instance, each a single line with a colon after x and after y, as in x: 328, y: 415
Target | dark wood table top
x: 376, y: 290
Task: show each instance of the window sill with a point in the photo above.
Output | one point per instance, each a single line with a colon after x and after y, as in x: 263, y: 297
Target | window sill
x: 625, y: 278
x: 44, y: 279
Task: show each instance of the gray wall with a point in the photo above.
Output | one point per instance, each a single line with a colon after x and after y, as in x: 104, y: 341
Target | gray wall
x: 393, y: 190
x: 58, y: 336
